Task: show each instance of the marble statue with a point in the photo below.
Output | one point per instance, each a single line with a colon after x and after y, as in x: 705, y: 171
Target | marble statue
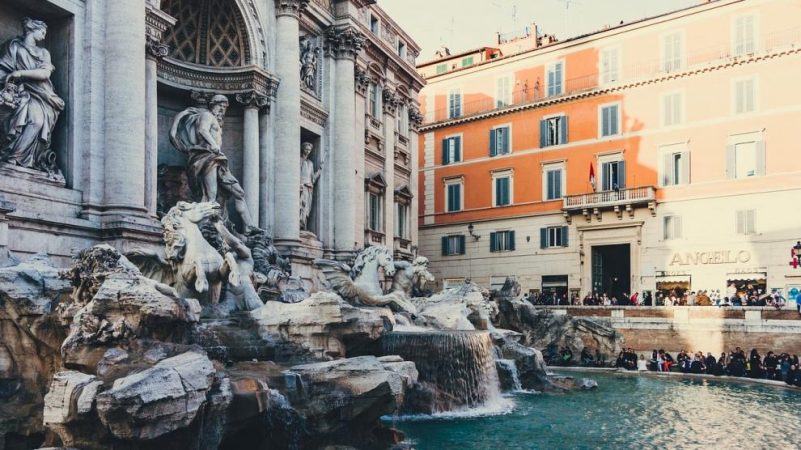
x: 308, y: 64
x: 197, y: 132
x: 361, y: 283
x: 190, y: 264
x: 308, y: 177
x: 29, y: 106
x: 411, y: 277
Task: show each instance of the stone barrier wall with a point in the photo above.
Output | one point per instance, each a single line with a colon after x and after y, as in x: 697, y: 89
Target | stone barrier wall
x: 698, y: 328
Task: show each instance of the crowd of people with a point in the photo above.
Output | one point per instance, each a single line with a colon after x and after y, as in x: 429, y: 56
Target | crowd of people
x: 754, y: 297
x: 736, y: 363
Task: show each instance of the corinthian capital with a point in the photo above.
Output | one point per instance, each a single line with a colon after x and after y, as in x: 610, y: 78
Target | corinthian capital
x: 344, y: 42
x: 157, y: 22
x: 290, y: 7
x: 253, y: 99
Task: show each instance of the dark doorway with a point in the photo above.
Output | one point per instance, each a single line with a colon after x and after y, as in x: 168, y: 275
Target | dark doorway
x: 611, y: 269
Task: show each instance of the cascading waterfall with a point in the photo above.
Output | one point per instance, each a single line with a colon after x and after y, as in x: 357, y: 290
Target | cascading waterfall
x: 508, y: 367
x: 460, y: 364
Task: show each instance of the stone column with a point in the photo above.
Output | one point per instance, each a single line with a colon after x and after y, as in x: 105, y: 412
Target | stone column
x: 344, y: 44
x: 157, y: 22
x: 390, y: 101
x: 253, y: 102
x: 125, y: 106
x: 287, y: 121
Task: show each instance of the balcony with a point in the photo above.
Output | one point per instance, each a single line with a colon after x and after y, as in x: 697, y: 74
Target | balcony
x: 621, y: 200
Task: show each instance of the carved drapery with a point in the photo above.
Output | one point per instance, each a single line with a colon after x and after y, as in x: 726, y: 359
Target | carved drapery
x: 344, y: 42
x: 290, y: 7
x: 309, y: 65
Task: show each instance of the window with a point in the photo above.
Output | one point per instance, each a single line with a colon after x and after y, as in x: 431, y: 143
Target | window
x: 672, y: 109
x: 744, y: 96
x: 556, y: 76
x: 613, y: 175
x: 454, y: 103
x: 671, y: 227
x: 451, y: 150
x: 374, y: 24
x: 610, y: 66
x: 375, y: 101
x: 745, y: 222
x: 402, y: 121
x: 503, y: 96
x: 402, y: 220
x: 553, y: 131
x: 743, y: 42
x: 672, y: 53
x: 675, y: 165
x: 502, y: 188
x: 553, y: 181
x: 375, y: 219
x: 552, y: 237
x: 746, y: 158
x: 442, y: 68
x: 467, y: 61
x: 610, y: 120
x: 502, y: 241
x: 453, y: 195
x: 401, y: 49
x: 499, y: 141
x: 452, y: 245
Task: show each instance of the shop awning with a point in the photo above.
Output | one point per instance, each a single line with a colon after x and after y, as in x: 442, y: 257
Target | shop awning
x: 753, y: 276
x: 672, y: 278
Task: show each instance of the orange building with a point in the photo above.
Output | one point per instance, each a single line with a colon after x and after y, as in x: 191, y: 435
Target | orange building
x: 654, y: 155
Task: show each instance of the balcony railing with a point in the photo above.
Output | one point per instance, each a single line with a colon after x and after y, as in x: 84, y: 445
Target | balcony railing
x: 630, y: 196
x: 535, y: 90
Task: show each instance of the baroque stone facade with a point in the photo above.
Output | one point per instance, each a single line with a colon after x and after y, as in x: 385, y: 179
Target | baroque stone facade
x: 292, y: 71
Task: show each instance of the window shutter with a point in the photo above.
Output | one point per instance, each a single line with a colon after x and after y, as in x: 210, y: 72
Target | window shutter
x: 457, y: 198
x: 445, y: 152
x: 685, y: 167
x: 563, y: 130
x: 445, y: 249
x: 667, y: 169
x: 760, y: 158
x: 543, y: 133
x: 493, y: 147
x: 621, y: 174
x: 493, y: 241
x: 505, y: 140
x: 461, y: 245
x: 543, y: 237
x: 511, y: 240
x: 557, y: 184
x: 731, y: 171
x: 564, y: 236
x: 458, y: 152
x: 613, y: 112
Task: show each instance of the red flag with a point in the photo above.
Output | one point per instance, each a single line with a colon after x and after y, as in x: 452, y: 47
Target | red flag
x: 592, y: 176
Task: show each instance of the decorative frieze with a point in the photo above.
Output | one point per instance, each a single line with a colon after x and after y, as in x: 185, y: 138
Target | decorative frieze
x: 344, y: 42
x: 229, y: 80
x: 252, y: 99
x: 290, y: 7
x: 391, y: 100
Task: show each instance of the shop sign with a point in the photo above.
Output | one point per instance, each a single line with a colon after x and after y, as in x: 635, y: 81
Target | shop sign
x: 713, y: 257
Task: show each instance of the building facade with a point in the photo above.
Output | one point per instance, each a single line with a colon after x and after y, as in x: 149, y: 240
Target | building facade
x: 339, y: 74
x: 654, y: 155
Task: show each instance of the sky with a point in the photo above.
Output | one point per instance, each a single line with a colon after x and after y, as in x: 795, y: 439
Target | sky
x: 465, y: 24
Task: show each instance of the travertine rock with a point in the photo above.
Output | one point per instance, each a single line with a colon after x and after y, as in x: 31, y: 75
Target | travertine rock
x: 325, y: 324
x: 71, y: 394
x: 531, y: 368
x: 464, y: 307
x: 159, y: 400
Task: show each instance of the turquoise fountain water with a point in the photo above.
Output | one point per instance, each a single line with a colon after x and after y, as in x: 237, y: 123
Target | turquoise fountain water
x: 626, y: 412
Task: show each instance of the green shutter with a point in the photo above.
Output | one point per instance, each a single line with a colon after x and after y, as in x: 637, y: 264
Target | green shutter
x: 543, y: 237
x: 493, y: 147
x: 458, y: 144
x: 543, y: 133
x: 557, y: 184
x: 445, y: 249
x: 493, y: 241
x: 461, y: 245
x: 563, y: 130
x: 445, y: 160
x: 621, y: 175
x: 511, y: 240
x: 564, y: 236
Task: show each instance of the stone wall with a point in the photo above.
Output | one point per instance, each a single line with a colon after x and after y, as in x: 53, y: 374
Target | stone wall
x: 708, y: 329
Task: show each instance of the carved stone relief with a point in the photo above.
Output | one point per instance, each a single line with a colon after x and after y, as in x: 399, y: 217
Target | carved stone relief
x: 309, y: 65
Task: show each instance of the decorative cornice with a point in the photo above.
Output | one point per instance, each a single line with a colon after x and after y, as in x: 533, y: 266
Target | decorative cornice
x: 344, y: 42
x: 290, y: 7
x: 156, y: 23
x: 313, y: 112
x: 229, y: 80
x: 362, y: 79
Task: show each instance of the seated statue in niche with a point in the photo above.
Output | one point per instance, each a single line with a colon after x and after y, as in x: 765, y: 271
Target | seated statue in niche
x: 197, y: 132
x: 29, y: 106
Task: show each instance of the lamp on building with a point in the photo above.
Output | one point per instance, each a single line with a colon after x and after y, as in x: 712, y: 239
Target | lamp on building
x: 470, y: 230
